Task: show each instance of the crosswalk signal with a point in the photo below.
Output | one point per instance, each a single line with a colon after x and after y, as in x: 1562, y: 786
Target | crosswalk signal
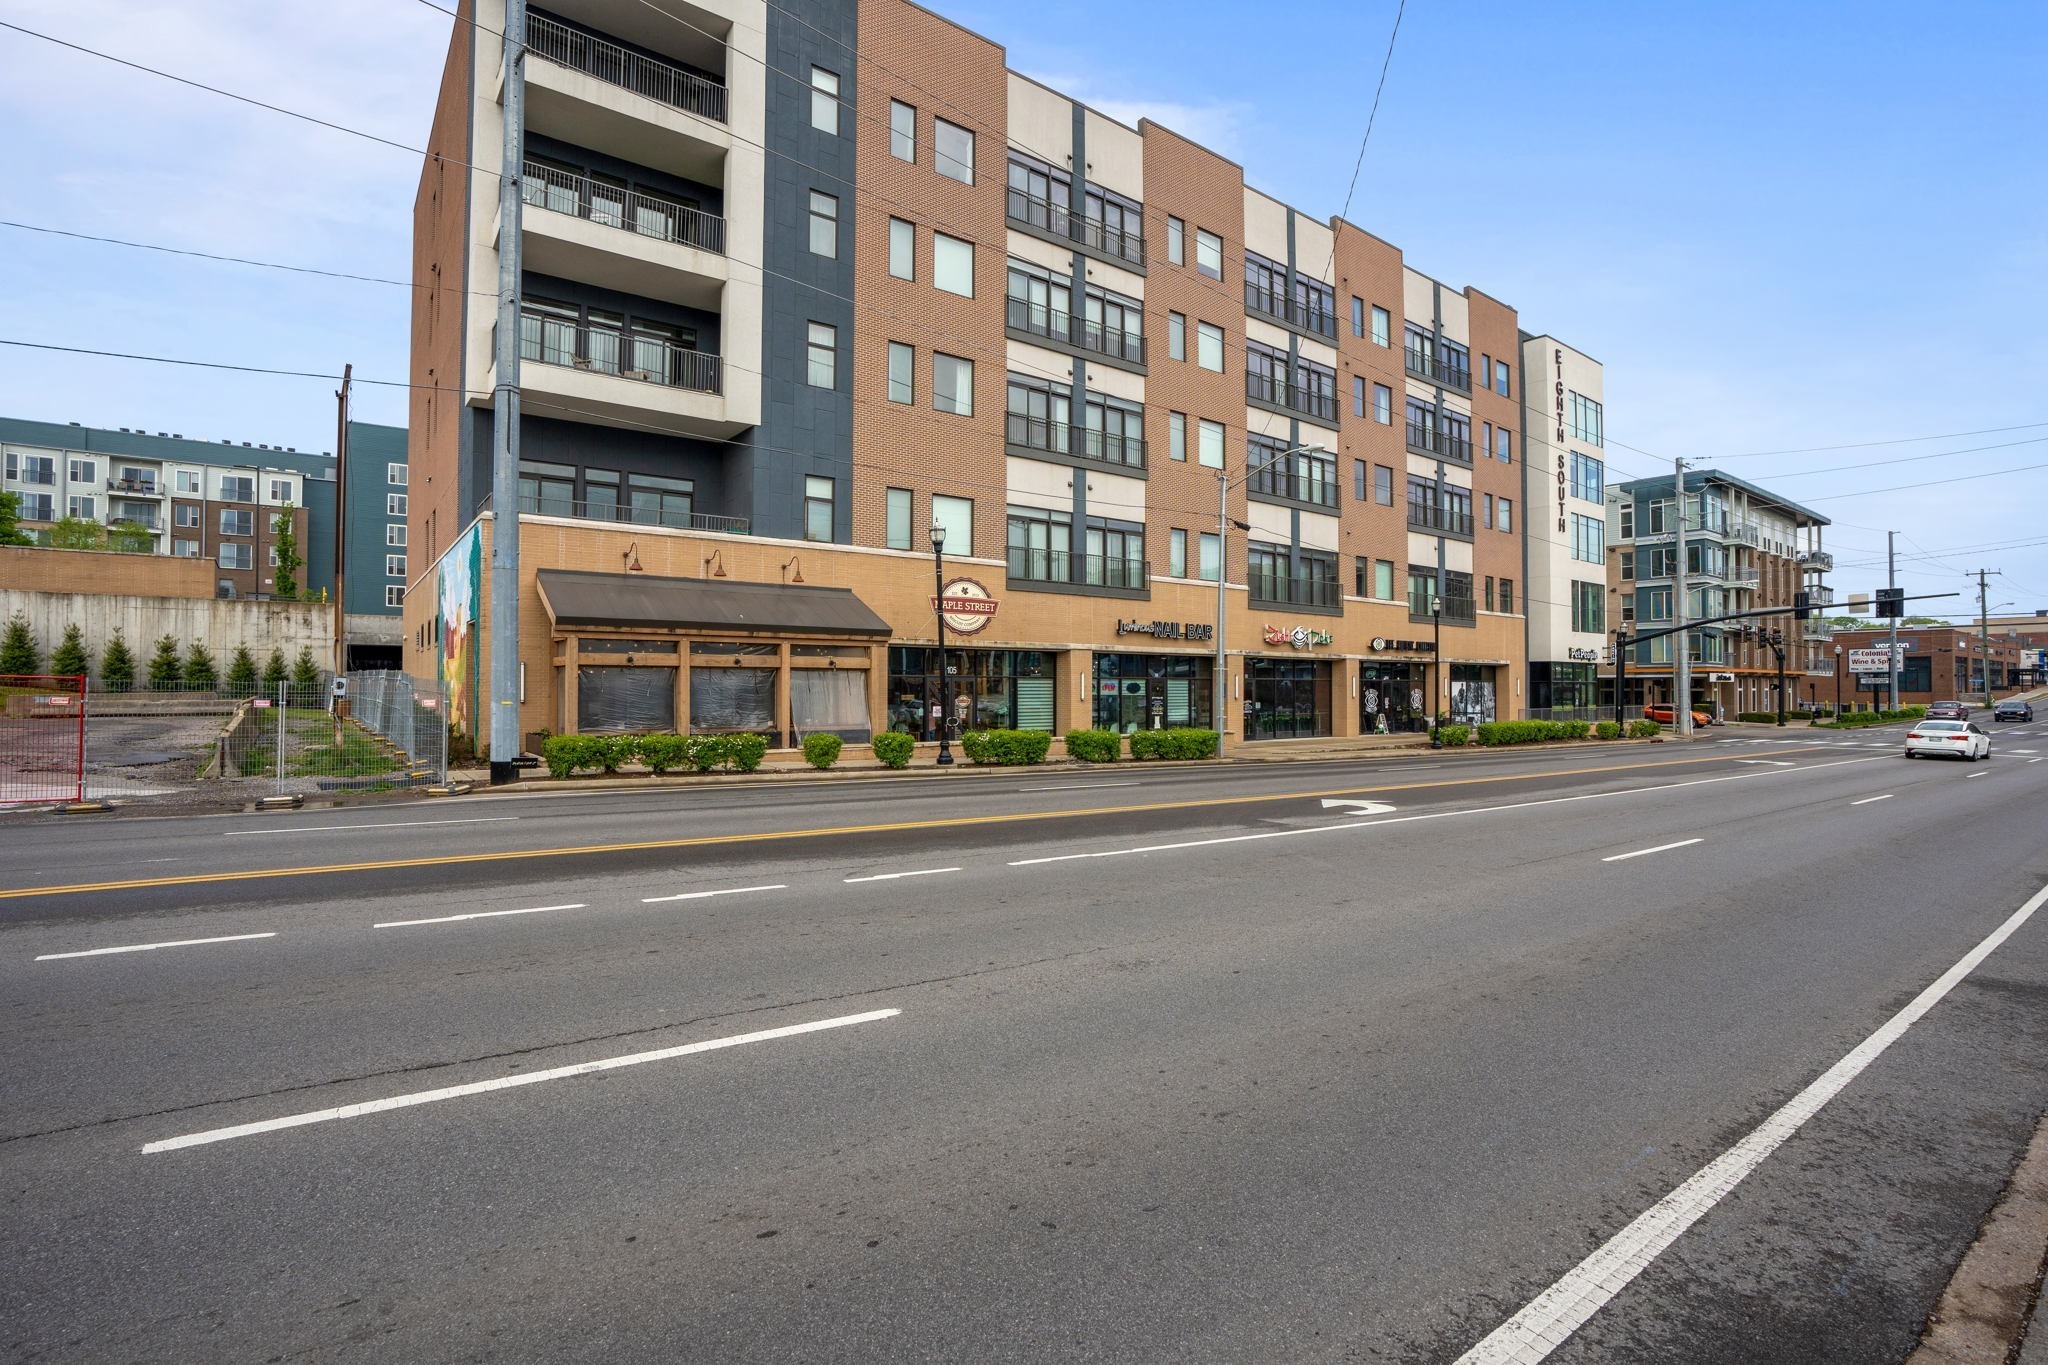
x: 1891, y: 603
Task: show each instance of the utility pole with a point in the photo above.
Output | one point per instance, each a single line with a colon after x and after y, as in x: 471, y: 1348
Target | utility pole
x: 1984, y: 630
x: 1681, y: 650
x: 1891, y: 580
x: 341, y: 518
x: 504, y: 663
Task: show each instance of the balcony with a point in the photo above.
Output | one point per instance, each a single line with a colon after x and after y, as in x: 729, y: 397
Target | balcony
x: 597, y: 93
x: 1816, y: 629
x: 1275, y: 590
x: 1317, y: 485
x: 148, y: 521
x: 1055, y: 219
x: 1748, y: 533
x: 1422, y: 365
x: 544, y: 505
x: 1057, y: 438
x: 1424, y: 440
x: 594, y: 374
x: 1820, y: 595
x: 1447, y: 520
x: 1742, y: 578
x: 135, y: 487
x: 1111, y: 574
x: 1288, y: 312
x: 1457, y: 611
x: 1039, y: 320
x: 1277, y: 392
x: 1820, y: 560
x: 631, y: 243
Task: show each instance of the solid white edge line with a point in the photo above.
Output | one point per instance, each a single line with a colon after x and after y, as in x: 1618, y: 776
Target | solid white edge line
x: 1868, y: 799
x: 1433, y: 815
x: 1552, y: 1316
x: 1661, y: 848
x: 151, y: 947
x: 382, y: 824
x: 478, y: 914
x: 349, y: 1111
x: 700, y: 895
x: 892, y: 876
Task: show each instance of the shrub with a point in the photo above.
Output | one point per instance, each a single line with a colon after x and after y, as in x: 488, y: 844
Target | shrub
x: 274, y: 673
x: 612, y: 752
x: 305, y: 676
x: 241, y: 672
x: 1006, y: 748
x: 1577, y: 729
x: 1608, y: 729
x: 117, y: 670
x: 743, y: 753
x: 664, y: 753
x: 1454, y: 736
x: 708, y: 751
x: 1094, y: 746
x: 1644, y: 729
x: 19, y: 650
x: 1179, y: 743
x: 564, y: 754
x: 893, y: 749
x: 69, y: 659
x: 199, y: 670
x: 822, y: 751
x: 1496, y: 732
x: 164, y: 668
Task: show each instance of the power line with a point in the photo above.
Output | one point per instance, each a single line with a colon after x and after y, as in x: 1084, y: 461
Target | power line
x: 1931, y: 483
x: 1895, y: 441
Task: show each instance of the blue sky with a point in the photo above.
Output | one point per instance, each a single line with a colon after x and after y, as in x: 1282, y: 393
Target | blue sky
x: 1780, y: 227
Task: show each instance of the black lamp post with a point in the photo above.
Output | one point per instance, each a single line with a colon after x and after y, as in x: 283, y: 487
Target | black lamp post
x: 1838, y: 682
x: 939, y: 614
x: 1436, y: 651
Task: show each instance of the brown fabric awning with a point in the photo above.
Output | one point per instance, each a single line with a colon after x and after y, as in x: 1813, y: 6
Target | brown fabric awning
x: 638, y: 601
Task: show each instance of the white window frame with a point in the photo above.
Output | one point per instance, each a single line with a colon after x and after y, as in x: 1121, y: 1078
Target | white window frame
x: 396, y: 475
x: 394, y: 594
x: 395, y: 533
x: 394, y: 566
x: 394, y: 504
x: 1211, y: 441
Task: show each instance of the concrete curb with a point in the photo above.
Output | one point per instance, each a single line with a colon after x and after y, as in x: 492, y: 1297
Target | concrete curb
x: 1985, y: 1312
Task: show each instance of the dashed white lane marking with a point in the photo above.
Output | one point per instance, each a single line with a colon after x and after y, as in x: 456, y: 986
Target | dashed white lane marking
x: 1980, y: 774
x: 2033, y: 760
x: 350, y: 1111
x: 382, y: 824
x: 892, y: 876
x: 152, y: 947
x: 1552, y: 1316
x: 1767, y: 762
x: 1079, y: 786
x: 701, y: 895
x: 1661, y: 848
x: 477, y: 914
x: 1868, y: 799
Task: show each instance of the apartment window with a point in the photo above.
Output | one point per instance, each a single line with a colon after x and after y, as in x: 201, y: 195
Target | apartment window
x: 1358, y: 395
x: 280, y: 490
x: 237, y: 489
x: 1507, y: 596
x: 1383, y: 485
x: 1628, y: 608
x: 1176, y: 241
x: 37, y: 507
x: 1176, y: 436
x: 824, y: 224
x: 1628, y: 565
x: 1383, y: 579
x: 1382, y: 327
x: 1503, y: 445
x: 1486, y: 381
x: 1505, y: 514
x: 1586, y: 419
x: 1500, y: 378
x: 1488, y: 602
x: 1209, y: 346
x: 235, y: 555
x: 185, y: 549
x: 394, y: 504
x: 953, y: 151
x: 1208, y: 254
x: 825, y: 100
x: 1359, y: 472
x: 817, y: 507
x: 902, y: 131
x: 1486, y: 519
x: 1383, y: 405
x: 822, y: 354
x: 394, y: 594
x: 1628, y: 521
x: 78, y: 506
x: 395, y: 475
x: 1361, y: 576
x: 953, y: 265
x: 394, y: 565
x: 1210, y: 567
x: 186, y: 481
x: 237, y: 523
x: 1357, y: 316
x: 1589, y: 607
x: 88, y: 471
x: 902, y: 373
x: 32, y: 468
x: 1177, y: 336
x: 1588, y: 477
x: 1176, y: 553
x: 395, y: 533
x: 185, y: 514
x: 902, y: 249
x: 956, y: 517
x: 1589, y: 539
x: 1209, y: 447
x: 952, y: 384
x: 897, y: 532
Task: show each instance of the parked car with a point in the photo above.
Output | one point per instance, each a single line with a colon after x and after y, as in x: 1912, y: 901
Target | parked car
x: 1668, y: 715
x: 1948, y: 710
x: 1948, y: 737
x: 2012, y: 708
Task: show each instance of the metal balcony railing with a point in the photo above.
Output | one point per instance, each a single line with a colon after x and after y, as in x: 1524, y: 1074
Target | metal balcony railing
x: 1748, y: 533
x: 1050, y: 216
x: 1817, y: 559
x: 652, y: 360
x: 1267, y: 388
x: 1431, y: 441
x: 148, y: 523
x: 1268, y: 303
x: 136, y: 486
x: 1281, y: 591
x: 615, y: 65
x: 1317, y: 485
x: 675, y: 518
x: 1423, y: 365
x: 1104, y: 447
x: 1449, y: 520
x: 615, y: 206
x: 1744, y: 578
x: 1457, y: 611
x: 1029, y: 565
x: 1040, y: 319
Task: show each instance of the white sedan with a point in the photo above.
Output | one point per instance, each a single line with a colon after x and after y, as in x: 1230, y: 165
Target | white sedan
x: 1959, y: 738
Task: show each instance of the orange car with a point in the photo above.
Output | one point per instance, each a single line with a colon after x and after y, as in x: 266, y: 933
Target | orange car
x: 1665, y: 715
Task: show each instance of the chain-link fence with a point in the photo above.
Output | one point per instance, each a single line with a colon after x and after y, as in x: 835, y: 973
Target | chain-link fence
x: 379, y: 732
x: 42, y: 738
x: 410, y: 715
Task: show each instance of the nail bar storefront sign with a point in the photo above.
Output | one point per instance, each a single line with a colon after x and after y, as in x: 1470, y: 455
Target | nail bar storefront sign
x: 1167, y: 630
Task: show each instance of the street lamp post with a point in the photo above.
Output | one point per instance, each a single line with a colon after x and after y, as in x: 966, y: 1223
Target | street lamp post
x: 1838, y: 682
x: 1436, y: 660
x: 1224, y: 483
x: 939, y: 615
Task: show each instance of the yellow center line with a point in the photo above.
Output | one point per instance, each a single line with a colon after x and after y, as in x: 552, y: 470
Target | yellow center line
x: 954, y: 822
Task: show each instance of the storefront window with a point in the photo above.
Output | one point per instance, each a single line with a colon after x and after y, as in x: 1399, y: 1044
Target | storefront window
x: 1286, y: 699
x: 729, y: 700
x: 1390, y: 699
x: 627, y: 700
x: 984, y: 689
x: 829, y: 700
x: 1472, y: 699
x: 1153, y: 691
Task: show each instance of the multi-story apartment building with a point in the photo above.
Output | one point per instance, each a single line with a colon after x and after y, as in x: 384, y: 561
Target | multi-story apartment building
x: 1564, y: 503
x: 371, y: 538
x: 1746, y: 549
x: 802, y: 294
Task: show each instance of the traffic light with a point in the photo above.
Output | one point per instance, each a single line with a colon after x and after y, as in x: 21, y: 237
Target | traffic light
x: 1891, y: 602
x: 1802, y: 606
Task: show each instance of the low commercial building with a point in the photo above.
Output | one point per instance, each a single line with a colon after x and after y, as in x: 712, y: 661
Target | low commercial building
x: 1936, y: 663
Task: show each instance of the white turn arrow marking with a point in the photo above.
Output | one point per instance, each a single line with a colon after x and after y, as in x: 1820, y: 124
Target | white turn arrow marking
x: 1359, y: 807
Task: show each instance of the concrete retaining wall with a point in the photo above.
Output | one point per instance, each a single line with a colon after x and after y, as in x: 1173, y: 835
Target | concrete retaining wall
x: 218, y: 623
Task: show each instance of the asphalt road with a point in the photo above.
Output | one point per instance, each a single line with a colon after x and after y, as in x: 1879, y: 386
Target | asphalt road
x: 1032, y: 1067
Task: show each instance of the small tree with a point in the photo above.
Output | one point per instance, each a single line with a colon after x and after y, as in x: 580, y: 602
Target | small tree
x: 200, y: 673
x: 20, y: 652
x: 241, y: 672
x: 274, y: 673
x: 10, y: 521
x: 131, y: 538
x: 70, y: 659
x: 117, y: 670
x: 305, y: 677
x: 286, y: 581
x: 75, y: 533
x: 164, y: 668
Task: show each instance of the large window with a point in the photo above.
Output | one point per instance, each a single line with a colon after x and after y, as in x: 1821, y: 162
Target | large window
x: 1113, y: 430
x: 233, y: 488
x: 1589, y: 539
x: 1588, y: 477
x: 956, y: 517
x: 237, y: 523
x: 1038, y: 414
x: 1589, y: 607
x: 1304, y: 475
x: 1208, y: 254
x: 1209, y: 346
x: 1209, y: 450
x: 953, y: 265
x: 237, y: 555
x: 1586, y: 419
x: 953, y: 151
x: 817, y: 507
x: 1383, y: 485
x: 952, y: 384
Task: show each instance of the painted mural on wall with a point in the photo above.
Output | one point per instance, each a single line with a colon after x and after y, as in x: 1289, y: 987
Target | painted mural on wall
x: 460, y: 571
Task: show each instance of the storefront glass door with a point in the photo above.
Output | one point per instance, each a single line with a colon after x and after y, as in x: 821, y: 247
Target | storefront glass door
x: 1286, y: 700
